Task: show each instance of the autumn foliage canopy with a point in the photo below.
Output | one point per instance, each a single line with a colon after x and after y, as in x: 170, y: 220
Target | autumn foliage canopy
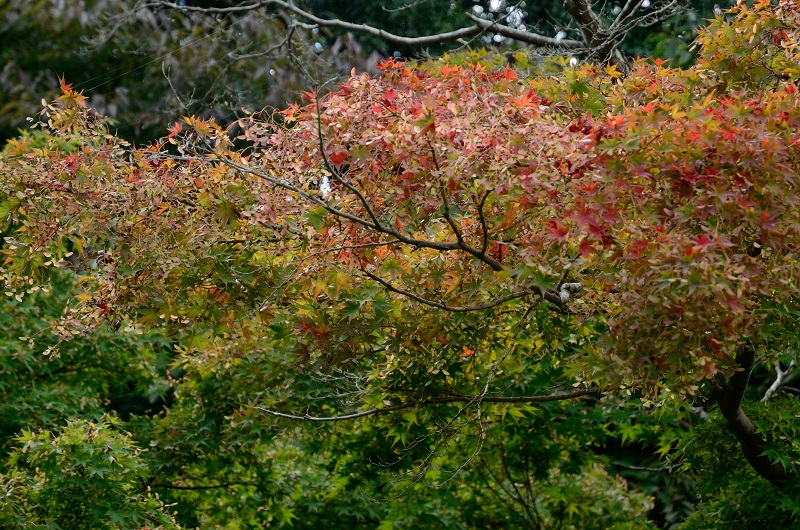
x: 447, y: 224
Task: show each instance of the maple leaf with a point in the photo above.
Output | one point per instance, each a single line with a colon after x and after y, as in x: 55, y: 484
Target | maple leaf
x: 586, y: 248
x: 557, y: 230
x: 174, y: 130
x: 735, y: 303
x: 338, y: 158
x: 702, y: 242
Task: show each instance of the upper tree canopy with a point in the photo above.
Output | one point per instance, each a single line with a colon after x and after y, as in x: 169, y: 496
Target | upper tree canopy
x: 213, y: 58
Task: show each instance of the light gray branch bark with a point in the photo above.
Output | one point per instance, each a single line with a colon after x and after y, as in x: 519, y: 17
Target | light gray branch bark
x: 781, y: 378
x: 524, y: 36
x: 598, y: 41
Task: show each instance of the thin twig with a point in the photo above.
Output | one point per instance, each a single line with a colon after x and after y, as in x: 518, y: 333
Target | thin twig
x: 337, y: 176
x: 484, y: 227
x: 445, y: 307
x: 208, y: 487
x: 436, y: 401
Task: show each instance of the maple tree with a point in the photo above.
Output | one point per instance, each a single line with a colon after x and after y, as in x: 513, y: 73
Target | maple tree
x: 452, y: 248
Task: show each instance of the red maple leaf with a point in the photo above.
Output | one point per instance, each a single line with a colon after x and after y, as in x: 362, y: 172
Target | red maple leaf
x: 557, y: 230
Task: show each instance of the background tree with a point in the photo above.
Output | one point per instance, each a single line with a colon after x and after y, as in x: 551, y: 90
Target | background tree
x: 227, y: 57
x: 190, y: 63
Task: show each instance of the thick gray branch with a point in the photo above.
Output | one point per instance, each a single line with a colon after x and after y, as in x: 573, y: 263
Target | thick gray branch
x: 524, y: 36
x: 729, y: 395
x: 216, y: 10
x: 561, y: 295
x: 427, y: 40
x: 781, y: 378
x: 589, y: 22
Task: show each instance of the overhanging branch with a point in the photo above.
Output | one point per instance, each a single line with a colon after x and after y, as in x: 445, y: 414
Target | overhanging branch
x: 205, y: 487
x: 599, y: 41
x: 445, y: 307
x: 525, y: 36
x: 437, y: 401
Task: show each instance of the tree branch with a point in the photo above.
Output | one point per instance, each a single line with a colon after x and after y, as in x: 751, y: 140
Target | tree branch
x: 598, y: 42
x: 626, y: 12
x: 585, y: 17
x: 453, y: 226
x: 437, y: 401
x: 728, y: 395
x: 209, y: 487
x: 484, y: 227
x: 781, y: 378
x: 338, y: 177
x: 560, y: 296
x: 445, y: 307
x: 344, y: 417
x: 401, y: 238
x: 429, y: 40
x: 524, y: 36
x: 216, y: 10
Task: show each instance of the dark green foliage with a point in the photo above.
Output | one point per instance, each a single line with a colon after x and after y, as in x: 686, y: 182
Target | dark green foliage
x: 87, y: 475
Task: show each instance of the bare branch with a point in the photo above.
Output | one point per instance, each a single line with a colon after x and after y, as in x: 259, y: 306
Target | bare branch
x: 453, y: 309
x: 480, y: 26
x: 337, y: 176
x: 344, y: 417
x: 218, y: 10
x: 209, y: 487
x: 437, y: 401
x: 559, y: 296
x: 650, y: 469
x: 289, y: 187
x: 600, y: 42
x: 597, y: 41
x: 484, y: 227
x: 401, y: 238
x: 588, y: 21
x: 524, y: 36
x: 406, y: 7
x: 626, y: 13
x: 519, y: 496
x: 524, y: 399
x: 453, y: 226
x: 450, y: 36
x: 782, y: 377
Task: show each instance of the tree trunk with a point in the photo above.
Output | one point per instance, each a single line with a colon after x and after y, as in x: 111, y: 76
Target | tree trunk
x: 728, y: 395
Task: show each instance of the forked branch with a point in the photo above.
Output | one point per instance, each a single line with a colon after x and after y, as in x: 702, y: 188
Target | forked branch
x: 598, y: 40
